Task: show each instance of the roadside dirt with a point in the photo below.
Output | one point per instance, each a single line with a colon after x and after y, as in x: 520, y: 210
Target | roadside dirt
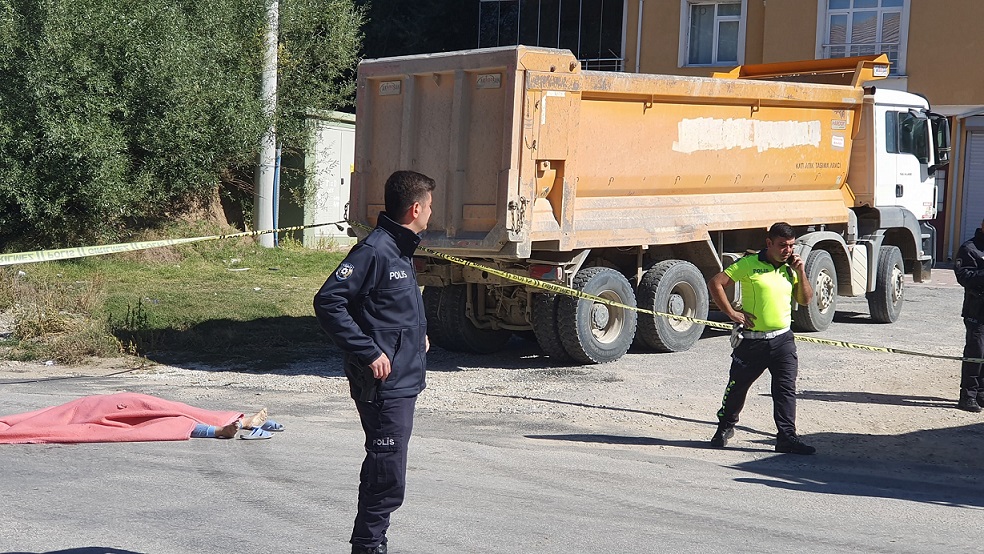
x: 863, y: 407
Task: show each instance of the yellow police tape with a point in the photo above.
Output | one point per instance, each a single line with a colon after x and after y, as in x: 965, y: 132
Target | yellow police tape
x: 86, y: 251
x: 560, y: 289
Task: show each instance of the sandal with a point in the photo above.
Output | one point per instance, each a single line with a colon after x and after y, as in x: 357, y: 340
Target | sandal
x: 271, y: 425
x: 256, y: 434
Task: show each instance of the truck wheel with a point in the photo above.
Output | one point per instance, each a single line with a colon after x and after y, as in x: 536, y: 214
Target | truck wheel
x: 432, y: 310
x: 676, y: 287
x: 592, y: 332
x: 545, y: 327
x: 885, y: 302
x: 449, y: 327
x: 817, y: 315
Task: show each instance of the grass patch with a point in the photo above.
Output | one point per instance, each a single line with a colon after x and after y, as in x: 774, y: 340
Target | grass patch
x: 229, y: 303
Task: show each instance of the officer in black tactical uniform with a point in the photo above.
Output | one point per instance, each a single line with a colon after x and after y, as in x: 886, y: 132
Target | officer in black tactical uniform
x: 372, y: 309
x: 969, y: 267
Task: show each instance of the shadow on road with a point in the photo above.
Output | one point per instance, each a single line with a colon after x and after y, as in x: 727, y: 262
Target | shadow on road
x: 711, y: 424
x: 878, y: 398
x: 924, y: 466
x: 639, y: 441
x: 936, y: 466
x: 852, y: 317
x: 83, y: 550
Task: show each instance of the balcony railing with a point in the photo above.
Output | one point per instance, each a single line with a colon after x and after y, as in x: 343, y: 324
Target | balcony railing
x: 602, y: 64
x: 866, y: 49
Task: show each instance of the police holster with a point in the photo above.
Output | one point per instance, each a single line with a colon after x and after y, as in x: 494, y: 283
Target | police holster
x: 736, y: 329
x: 364, y: 385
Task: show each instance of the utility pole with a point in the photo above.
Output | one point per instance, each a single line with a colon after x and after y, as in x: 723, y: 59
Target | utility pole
x: 263, y: 200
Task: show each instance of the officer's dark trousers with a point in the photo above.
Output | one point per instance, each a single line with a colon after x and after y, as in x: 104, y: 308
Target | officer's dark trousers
x: 387, y: 424
x: 748, y: 362
x: 971, y: 379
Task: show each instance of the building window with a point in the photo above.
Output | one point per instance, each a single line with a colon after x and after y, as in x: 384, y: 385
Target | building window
x: 865, y: 27
x: 714, y: 32
x: 591, y: 29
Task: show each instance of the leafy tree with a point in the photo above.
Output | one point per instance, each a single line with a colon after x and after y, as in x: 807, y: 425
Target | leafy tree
x: 116, y: 114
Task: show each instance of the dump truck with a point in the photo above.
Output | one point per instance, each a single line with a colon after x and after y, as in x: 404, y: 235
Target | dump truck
x: 637, y: 188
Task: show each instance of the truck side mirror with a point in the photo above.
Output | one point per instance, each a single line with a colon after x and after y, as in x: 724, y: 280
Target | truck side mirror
x: 941, y: 140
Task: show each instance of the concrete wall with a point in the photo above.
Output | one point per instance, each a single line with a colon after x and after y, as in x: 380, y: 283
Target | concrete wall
x: 945, y: 51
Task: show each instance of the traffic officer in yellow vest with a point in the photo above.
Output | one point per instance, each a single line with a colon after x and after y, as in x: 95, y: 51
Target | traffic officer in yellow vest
x: 769, y: 281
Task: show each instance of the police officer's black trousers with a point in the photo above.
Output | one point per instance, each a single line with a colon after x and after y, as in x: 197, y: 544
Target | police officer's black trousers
x: 387, y: 424
x: 748, y: 362
x: 971, y: 379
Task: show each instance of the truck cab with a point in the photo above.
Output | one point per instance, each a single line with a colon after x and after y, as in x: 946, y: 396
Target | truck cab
x: 899, y: 145
x: 906, y: 153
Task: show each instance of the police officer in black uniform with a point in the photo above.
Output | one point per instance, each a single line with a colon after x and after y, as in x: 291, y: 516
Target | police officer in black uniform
x: 372, y: 309
x: 969, y: 267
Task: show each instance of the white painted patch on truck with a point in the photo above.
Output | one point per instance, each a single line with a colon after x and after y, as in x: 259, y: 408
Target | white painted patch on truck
x: 709, y: 134
x: 543, y: 103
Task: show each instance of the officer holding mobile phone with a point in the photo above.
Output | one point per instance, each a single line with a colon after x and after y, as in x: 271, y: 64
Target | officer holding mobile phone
x: 770, y: 281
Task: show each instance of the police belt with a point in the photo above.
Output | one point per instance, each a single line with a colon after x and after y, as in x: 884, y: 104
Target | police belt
x: 764, y: 335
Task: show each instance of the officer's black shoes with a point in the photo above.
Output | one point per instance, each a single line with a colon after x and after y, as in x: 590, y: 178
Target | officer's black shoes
x: 720, y: 439
x: 793, y: 445
x: 968, y: 402
x: 381, y: 549
x: 980, y: 399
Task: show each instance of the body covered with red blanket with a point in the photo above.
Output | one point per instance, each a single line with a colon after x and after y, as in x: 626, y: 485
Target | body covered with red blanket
x: 122, y: 417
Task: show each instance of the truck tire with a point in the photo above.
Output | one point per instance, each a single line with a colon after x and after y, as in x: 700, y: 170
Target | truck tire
x: 432, y: 310
x: 885, y: 302
x: 595, y: 333
x: 545, y: 327
x: 676, y: 287
x: 449, y: 327
x: 817, y: 315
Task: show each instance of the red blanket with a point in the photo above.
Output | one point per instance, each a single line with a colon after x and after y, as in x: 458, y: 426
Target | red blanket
x: 123, y: 417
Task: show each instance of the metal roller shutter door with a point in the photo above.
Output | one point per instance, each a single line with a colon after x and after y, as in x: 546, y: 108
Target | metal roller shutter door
x: 973, y: 204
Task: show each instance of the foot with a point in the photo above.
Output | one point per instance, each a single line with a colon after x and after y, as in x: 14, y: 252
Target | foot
x: 227, y: 432
x: 720, y: 439
x: 255, y: 420
x: 381, y: 549
x: 969, y: 403
x: 793, y: 445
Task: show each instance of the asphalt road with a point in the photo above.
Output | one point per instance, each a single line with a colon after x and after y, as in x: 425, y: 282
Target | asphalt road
x: 507, y: 480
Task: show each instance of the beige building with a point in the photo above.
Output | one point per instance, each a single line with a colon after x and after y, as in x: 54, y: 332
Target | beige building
x: 934, y: 45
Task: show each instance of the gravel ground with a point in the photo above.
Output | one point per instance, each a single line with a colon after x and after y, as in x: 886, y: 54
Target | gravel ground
x: 853, y: 404
x: 513, y: 454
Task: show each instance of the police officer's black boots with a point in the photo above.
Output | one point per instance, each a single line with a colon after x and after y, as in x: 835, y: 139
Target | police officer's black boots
x: 968, y: 402
x: 381, y: 549
x: 791, y: 444
x: 720, y: 438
